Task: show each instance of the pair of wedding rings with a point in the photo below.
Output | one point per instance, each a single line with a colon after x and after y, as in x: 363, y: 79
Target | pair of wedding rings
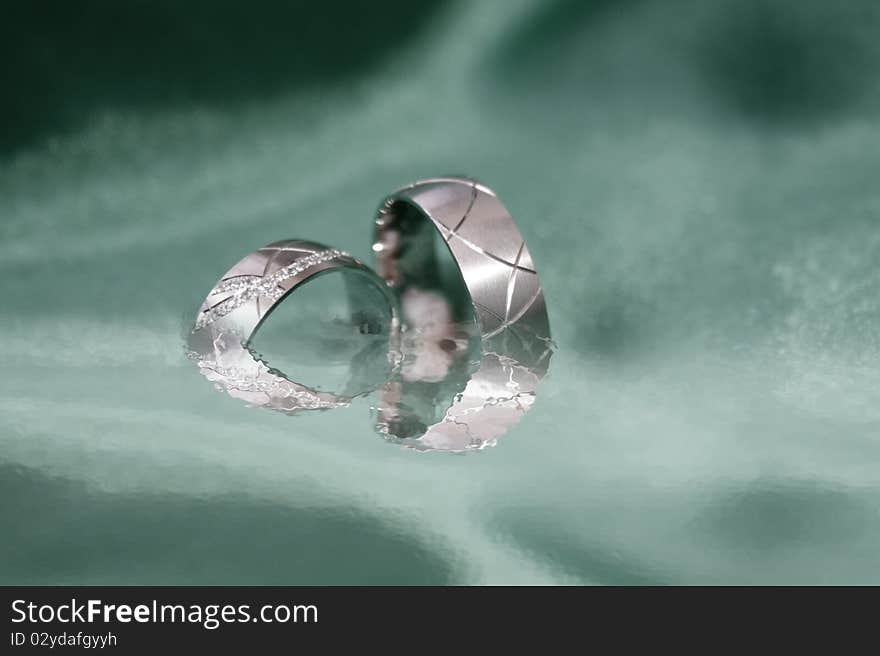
x: 505, y: 305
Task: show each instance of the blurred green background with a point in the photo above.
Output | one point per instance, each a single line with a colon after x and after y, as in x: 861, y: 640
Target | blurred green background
x: 697, y: 182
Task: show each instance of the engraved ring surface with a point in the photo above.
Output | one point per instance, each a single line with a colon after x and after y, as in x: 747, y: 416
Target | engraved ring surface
x: 487, y: 246
x: 241, y: 301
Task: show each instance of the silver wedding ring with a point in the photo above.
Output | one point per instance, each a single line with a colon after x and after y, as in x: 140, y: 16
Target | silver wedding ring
x: 239, y: 303
x: 487, y: 247
x: 506, y: 300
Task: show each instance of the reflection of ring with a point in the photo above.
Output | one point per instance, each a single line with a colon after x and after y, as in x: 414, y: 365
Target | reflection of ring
x: 488, y: 248
x: 475, y: 409
x: 240, y: 302
x: 461, y: 409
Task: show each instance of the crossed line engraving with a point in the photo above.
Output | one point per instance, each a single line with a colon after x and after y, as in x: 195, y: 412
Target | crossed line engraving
x: 515, y: 268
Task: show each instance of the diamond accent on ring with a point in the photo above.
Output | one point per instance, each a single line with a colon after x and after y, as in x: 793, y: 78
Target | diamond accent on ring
x: 246, y: 288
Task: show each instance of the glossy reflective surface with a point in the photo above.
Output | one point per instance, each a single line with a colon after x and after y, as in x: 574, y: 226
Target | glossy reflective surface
x: 706, y: 229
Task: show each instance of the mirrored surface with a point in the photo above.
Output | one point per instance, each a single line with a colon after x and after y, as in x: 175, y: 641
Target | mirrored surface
x: 440, y: 385
x: 455, y: 391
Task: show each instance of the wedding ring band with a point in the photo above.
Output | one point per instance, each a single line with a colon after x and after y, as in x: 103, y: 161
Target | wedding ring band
x: 487, y: 246
x: 238, y: 304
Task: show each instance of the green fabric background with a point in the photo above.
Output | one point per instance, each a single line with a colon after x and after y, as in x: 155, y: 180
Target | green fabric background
x: 697, y: 182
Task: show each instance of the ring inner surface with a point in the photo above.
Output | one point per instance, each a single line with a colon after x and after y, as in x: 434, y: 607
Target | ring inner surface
x: 332, y: 332
x: 415, y: 260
